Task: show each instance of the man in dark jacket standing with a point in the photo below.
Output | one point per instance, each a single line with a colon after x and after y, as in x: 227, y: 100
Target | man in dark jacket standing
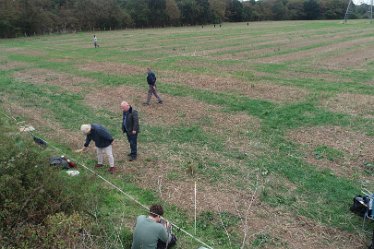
x: 103, y: 142
x: 151, y: 79
x: 130, y: 126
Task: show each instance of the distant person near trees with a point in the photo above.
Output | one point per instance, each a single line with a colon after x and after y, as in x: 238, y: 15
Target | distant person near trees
x: 151, y: 79
x: 95, y: 41
x: 153, y: 232
x: 103, y: 142
x: 130, y: 126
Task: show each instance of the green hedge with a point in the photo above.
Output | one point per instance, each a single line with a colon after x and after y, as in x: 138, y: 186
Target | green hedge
x: 38, y: 209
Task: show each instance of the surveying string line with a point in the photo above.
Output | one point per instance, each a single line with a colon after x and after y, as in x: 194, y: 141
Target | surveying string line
x: 136, y: 201
x: 117, y: 188
x: 133, y: 199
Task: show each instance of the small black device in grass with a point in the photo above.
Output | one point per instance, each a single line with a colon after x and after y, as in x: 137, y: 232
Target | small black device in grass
x: 39, y: 141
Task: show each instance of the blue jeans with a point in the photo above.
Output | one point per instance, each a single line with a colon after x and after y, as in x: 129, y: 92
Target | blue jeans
x: 133, y: 144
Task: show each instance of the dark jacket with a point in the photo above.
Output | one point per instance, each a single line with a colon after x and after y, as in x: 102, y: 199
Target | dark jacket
x: 151, y: 78
x: 100, y: 136
x: 130, y: 121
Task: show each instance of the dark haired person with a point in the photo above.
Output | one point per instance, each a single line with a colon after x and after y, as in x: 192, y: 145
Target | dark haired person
x: 151, y: 79
x: 96, y: 45
x: 152, y: 232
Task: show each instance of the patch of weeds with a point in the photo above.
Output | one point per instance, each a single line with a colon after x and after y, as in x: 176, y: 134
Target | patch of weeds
x: 264, y: 239
x: 126, y: 238
x: 217, y: 224
x: 326, y: 152
x: 201, y: 166
x: 214, y: 164
x: 276, y: 199
x: 278, y: 195
x: 238, y: 155
x: 271, y: 68
x: 130, y: 178
x: 215, y: 220
x: 261, y: 240
x: 187, y: 134
x: 173, y: 175
x: 369, y: 168
x: 369, y: 164
x: 245, y: 75
x: 229, y: 219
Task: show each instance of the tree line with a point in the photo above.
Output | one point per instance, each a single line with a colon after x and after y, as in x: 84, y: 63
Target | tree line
x: 28, y: 17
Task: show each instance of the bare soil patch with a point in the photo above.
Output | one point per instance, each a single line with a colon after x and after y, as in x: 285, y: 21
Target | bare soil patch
x: 267, y: 91
x: 12, y: 65
x: 24, y: 51
x: 314, y: 75
x: 315, y: 51
x: 181, y: 193
x: 356, y: 58
x: 349, y: 103
x: 290, y: 230
x: 239, y: 67
x: 61, y: 60
x: 44, y: 76
x: 113, y: 68
x: 357, y: 148
x: 174, y: 111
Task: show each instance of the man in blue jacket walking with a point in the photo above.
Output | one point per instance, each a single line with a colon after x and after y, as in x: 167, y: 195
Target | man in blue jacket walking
x: 151, y: 79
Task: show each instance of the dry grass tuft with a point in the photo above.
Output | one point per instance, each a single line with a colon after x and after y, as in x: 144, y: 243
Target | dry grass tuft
x: 349, y: 103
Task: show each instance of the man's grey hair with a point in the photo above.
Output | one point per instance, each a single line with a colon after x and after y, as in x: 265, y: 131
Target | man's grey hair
x: 86, y: 128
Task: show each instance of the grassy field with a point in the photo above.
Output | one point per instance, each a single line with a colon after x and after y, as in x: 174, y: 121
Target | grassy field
x: 274, y: 121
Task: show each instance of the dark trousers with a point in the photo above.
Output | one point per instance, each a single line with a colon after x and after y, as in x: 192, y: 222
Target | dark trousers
x: 133, y: 144
x: 172, y: 242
